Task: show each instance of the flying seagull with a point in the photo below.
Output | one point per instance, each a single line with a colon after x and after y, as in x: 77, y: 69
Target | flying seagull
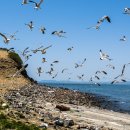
x: 122, y: 72
x: 97, y: 77
x: 39, y: 70
x: 126, y: 10
x: 37, y: 5
x: 30, y: 25
x: 100, y: 21
x: 50, y: 72
x: 43, y: 29
x: 11, y: 49
x: 104, y: 56
x: 104, y: 72
x: 19, y: 71
x: 70, y: 48
x: 6, y: 39
x: 58, y: 33
x: 27, y: 57
x: 123, y: 39
x: 25, y: 51
x: 43, y: 51
x: 44, y: 60
x: 118, y: 81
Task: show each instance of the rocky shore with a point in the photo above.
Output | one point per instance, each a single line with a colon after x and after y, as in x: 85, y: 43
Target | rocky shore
x: 55, y: 108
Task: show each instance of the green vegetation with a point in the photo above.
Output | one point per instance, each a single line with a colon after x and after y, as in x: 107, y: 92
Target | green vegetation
x: 7, y: 124
x: 16, y: 58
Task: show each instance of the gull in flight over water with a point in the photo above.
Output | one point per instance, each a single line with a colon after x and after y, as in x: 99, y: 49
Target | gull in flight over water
x: 122, y: 72
x: 37, y: 5
x: 118, y: 81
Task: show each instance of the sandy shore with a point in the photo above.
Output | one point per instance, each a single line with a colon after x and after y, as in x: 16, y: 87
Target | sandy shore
x: 37, y: 104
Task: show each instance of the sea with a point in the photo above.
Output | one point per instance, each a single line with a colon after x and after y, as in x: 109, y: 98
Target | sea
x: 118, y: 93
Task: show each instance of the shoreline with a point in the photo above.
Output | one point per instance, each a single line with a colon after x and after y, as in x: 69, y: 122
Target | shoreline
x: 101, y: 101
x: 37, y: 104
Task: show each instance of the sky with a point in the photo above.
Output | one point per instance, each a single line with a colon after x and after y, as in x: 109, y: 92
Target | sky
x: 74, y: 17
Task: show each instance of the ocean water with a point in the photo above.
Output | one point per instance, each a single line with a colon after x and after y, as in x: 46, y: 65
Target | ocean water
x: 120, y: 93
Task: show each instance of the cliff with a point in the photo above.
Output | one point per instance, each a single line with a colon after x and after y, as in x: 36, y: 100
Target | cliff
x: 10, y: 63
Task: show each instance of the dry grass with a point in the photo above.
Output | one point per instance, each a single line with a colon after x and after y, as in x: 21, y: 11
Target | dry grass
x: 8, y: 67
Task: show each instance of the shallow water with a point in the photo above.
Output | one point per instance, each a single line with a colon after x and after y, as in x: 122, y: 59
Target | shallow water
x: 117, y: 92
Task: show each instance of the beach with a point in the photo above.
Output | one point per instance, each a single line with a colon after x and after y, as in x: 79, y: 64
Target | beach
x: 38, y: 105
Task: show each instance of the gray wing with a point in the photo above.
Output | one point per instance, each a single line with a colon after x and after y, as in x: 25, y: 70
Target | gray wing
x: 47, y: 47
x: 3, y: 36
x: 123, y: 69
x: 40, y: 2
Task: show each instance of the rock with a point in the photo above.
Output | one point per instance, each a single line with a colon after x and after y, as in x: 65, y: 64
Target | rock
x: 44, y: 126
x: 92, y: 128
x: 63, y: 108
x: 4, y: 105
x: 68, y: 122
x: 42, y: 119
x: 59, y: 122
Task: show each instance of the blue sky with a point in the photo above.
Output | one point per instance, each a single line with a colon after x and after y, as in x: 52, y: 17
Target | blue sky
x: 72, y: 16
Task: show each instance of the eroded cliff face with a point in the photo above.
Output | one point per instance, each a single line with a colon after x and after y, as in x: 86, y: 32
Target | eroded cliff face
x: 10, y: 63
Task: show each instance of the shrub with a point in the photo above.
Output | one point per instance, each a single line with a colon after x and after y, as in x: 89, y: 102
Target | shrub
x: 16, y: 58
x: 6, y: 123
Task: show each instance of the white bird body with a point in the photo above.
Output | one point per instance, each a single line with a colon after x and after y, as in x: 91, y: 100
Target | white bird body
x: 37, y: 5
x: 104, y: 56
x: 126, y: 10
x: 123, y: 38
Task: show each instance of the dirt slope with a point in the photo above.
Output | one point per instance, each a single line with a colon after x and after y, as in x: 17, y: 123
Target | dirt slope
x: 8, y: 67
